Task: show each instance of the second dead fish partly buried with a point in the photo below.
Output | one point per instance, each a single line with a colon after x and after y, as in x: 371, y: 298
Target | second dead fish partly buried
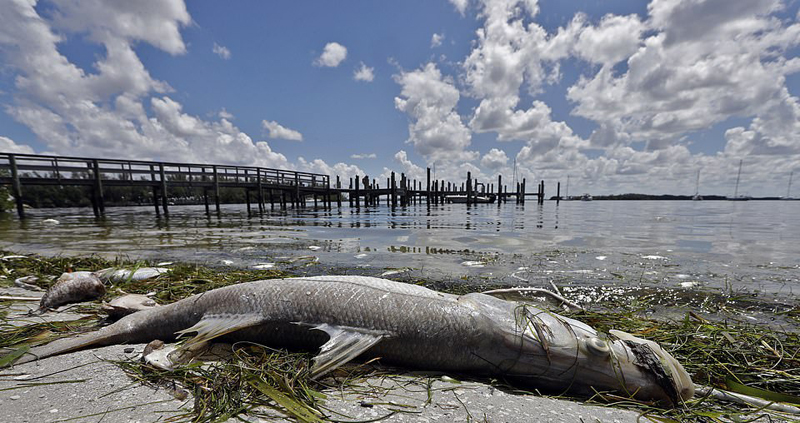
x: 350, y: 316
x: 129, y: 303
x: 72, y: 288
x: 113, y: 275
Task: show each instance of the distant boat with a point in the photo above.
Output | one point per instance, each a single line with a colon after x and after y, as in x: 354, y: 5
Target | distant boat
x: 736, y: 196
x: 586, y: 197
x: 789, y: 189
x: 476, y: 199
x: 697, y: 196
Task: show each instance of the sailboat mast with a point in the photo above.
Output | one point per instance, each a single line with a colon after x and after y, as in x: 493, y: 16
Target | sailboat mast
x: 697, y: 184
x: 738, y: 175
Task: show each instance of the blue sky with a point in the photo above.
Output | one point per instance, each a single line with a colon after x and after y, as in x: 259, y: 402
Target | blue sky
x: 621, y: 96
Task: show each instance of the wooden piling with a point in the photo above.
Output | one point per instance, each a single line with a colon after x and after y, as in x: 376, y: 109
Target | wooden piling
x: 155, y: 200
x: 205, y: 201
x: 393, y: 189
x: 164, y: 199
x: 16, y: 186
x: 357, y: 199
x: 428, y: 189
x: 98, y: 186
x: 558, y: 193
x: 247, y: 200
x: 338, y: 193
x: 469, y: 188
x: 216, y: 189
x: 260, y: 192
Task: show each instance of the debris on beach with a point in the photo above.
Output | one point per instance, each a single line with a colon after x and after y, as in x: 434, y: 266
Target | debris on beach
x: 50, y: 222
x: 13, y: 257
x: 470, y: 263
x: 129, y: 303
x: 112, y: 275
x: 395, y: 271
x: 263, y: 266
x: 72, y: 288
x: 27, y: 282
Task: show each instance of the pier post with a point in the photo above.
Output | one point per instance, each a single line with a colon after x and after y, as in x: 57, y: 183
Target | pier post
x: 216, y: 188
x: 350, y: 193
x: 367, y: 196
x: 260, y: 191
x: 541, y: 193
x: 558, y: 193
x: 16, y: 186
x: 393, y: 188
x: 164, y: 200
x: 428, y: 190
x: 247, y: 199
x: 297, y: 198
x: 98, y: 186
x: 469, y: 188
x: 357, y: 199
x: 338, y: 192
x: 205, y: 201
x: 522, y: 196
x: 402, y: 189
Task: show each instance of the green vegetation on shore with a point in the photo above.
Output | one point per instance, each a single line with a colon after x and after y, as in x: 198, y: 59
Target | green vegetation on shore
x: 754, y: 359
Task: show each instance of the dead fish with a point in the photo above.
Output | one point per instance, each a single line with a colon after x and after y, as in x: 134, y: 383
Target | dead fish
x: 72, y: 288
x: 409, y: 325
x: 112, y: 275
x: 129, y: 303
x: 26, y: 282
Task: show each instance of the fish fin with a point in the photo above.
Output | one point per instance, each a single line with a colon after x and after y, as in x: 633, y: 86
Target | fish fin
x: 215, y: 325
x: 345, y: 344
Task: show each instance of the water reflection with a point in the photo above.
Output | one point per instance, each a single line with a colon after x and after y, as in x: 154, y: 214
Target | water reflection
x: 758, y: 231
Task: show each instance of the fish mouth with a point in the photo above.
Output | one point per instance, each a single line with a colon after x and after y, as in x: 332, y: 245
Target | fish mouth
x: 668, y: 373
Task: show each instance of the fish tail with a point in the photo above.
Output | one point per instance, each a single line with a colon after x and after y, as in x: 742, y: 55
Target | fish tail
x: 98, y: 338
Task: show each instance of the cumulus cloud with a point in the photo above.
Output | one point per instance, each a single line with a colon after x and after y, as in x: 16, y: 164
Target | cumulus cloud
x: 364, y: 73
x: 332, y: 55
x: 224, y: 114
x: 363, y: 156
x: 343, y: 170
x: 700, y: 63
x: 278, y: 131
x: 436, y: 40
x: 221, y: 51
x: 436, y: 130
x: 461, y: 5
x: 7, y: 145
x: 103, y: 113
x: 494, y: 159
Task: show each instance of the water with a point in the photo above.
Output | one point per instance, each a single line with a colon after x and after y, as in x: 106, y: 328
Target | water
x: 743, y: 246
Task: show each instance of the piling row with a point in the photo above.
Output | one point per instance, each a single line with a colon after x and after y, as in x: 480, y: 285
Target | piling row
x: 261, y: 186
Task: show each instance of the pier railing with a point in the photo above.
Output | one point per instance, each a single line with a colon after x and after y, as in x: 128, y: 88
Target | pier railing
x: 20, y: 170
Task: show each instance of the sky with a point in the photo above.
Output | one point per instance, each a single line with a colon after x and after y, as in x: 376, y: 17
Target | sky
x: 617, y: 96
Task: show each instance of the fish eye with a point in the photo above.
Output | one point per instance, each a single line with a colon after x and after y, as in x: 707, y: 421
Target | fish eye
x: 597, y: 346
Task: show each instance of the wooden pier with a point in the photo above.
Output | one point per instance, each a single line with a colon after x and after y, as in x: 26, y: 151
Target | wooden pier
x: 263, y: 187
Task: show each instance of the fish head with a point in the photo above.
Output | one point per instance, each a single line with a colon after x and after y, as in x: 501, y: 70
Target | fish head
x: 563, y: 354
